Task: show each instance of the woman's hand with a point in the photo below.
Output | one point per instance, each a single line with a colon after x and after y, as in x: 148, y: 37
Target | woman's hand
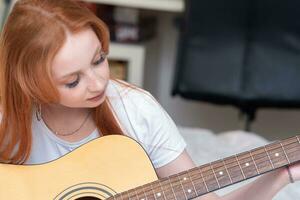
x: 295, y: 171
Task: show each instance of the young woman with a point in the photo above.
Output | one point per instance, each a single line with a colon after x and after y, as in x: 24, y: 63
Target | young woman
x: 56, y: 94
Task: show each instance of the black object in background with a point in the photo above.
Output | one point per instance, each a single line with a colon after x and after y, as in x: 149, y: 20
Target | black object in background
x: 5, y: 13
x: 244, y: 53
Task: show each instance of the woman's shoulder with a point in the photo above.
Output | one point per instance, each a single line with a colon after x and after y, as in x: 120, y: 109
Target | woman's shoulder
x: 129, y: 92
x: 133, y: 99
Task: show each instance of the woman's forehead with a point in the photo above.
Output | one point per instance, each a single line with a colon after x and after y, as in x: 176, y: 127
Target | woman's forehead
x: 77, y: 52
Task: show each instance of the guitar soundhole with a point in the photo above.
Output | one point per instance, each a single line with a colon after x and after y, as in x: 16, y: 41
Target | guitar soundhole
x: 86, y: 191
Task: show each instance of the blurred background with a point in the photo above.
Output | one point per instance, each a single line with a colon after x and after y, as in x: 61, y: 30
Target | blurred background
x: 200, y: 58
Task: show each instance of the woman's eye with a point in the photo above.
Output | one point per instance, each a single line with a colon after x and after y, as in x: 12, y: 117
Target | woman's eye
x: 100, y: 60
x: 73, y: 84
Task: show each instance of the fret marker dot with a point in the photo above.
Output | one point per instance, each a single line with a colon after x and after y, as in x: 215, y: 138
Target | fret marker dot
x: 142, y: 199
x: 189, y: 190
x: 276, y: 154
x: 184, y: 178
x: 247, y: 164
x: 158, y: 194
x: 221, y: 173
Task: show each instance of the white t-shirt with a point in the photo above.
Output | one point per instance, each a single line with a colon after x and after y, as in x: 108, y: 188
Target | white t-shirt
x: 141, y: 118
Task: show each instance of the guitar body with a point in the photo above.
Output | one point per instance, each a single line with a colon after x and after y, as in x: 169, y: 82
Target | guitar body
x: 116, y: 164
x: 99, y: 169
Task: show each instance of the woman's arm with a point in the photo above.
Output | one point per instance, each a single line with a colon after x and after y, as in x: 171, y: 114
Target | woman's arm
x: 263, y: 188
x: 266, y: 186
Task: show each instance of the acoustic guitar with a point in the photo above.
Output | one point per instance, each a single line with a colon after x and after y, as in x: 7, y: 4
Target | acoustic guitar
x: 117, y: 168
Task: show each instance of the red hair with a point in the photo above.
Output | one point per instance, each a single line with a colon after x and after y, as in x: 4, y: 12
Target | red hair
x: 34, y: 32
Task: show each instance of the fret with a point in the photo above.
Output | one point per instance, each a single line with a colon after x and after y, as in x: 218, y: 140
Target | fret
x: 158, y: 194
x: 247, y: 164
x: 136, y: 195
x: 148, y: 192
x: 298, y: 139
x: 287, y: 158
x: 254, y: 163
x: 262, y: 160
x: 221, y: 174
x: 182, y: 187
x: 203, y: 180
x: 198, y: 181
x: 132, y: 195
x: 172, y: 189
x: 124, y: 195
x: 233, y: 168
x: 209, y: 177
x: 177, y: 187
x: 214, y: 175
x: 141, y: 193
x: 269, y: 157
x: 277, y: 155
x: 292, y: 149
x: 163, y: 192
x: 187, y: 185
x: 227, y: 171
x: 168, y: 190
x: 240, y: 166
x: 188, y: 173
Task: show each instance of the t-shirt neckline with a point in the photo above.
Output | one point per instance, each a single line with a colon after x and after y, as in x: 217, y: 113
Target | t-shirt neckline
x: 52, y: 135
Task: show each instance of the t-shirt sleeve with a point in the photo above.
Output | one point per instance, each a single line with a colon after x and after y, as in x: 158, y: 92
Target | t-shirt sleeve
x: 153, y: 128
x: 167, y: 143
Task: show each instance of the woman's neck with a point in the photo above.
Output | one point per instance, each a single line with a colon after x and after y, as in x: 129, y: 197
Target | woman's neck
x: 72, y: 124
x: 62, y: 112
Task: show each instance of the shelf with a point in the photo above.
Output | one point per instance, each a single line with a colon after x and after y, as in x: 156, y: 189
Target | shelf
x: 134, y: 55
x: 162, y: 5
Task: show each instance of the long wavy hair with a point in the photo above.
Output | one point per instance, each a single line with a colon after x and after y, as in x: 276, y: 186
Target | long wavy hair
x: 32, y: 35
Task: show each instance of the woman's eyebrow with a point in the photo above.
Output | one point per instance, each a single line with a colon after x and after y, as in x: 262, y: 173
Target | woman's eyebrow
x: 98, y: 49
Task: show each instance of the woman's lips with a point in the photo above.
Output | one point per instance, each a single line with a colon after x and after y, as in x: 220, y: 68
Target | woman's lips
x: 96, y: 98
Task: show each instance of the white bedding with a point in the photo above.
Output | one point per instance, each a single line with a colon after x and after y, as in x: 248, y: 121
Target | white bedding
x: 204, y: 146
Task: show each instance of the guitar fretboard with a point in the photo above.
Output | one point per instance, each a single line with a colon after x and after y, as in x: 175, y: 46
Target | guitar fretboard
x: 210, y: 177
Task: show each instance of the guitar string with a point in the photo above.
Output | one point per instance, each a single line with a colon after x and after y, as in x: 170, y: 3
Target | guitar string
x: 153, y: 190
x: 137, y: 192
x: 234, y: 172
x: 268, y: 160
x: 246, y: 159
x: 208, y: 180
x: 152, y: 193
x: 239, y: 170
x: 243, y: 159
x: 214, y: 179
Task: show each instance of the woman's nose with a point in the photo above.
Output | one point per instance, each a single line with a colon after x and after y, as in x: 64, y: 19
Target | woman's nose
x: 95, y: 82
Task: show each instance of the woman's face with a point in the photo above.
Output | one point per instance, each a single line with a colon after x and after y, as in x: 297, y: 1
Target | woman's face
x: 80, y: 71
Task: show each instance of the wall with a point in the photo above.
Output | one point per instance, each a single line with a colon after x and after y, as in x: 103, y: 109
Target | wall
x: 159, y: 69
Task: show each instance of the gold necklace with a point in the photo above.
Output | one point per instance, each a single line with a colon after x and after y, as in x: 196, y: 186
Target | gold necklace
x: 39, y: 117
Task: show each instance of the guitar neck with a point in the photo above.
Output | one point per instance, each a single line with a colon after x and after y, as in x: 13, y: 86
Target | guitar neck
x: 218, y: 174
